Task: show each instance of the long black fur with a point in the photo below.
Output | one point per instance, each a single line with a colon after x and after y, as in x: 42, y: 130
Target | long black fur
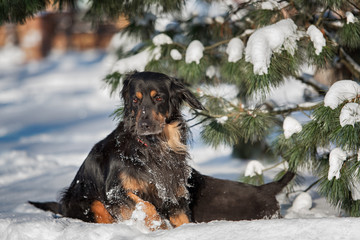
x: 132, y: 149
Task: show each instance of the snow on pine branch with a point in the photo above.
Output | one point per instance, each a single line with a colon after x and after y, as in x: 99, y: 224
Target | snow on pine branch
x: 161, y: 39
x: 291, y: 126
x: 139, y: 61
x: 317, y: 38
x: 344, y: 90
x: 350, y: 114
x: 350, y: 18
x: 194, y: 52
x: 254, y: 168
x: 273, y: 38
x: 336, y: 159
x: 235, y: 50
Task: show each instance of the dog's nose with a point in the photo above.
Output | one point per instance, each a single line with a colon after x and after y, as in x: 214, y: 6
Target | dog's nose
x: 144, y: 125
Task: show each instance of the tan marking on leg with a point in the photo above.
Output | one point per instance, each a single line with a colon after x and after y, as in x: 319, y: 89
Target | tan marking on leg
x: 150, y: 212
x: 101, y: 215
x: 126, y: 212
x: 179, y: 219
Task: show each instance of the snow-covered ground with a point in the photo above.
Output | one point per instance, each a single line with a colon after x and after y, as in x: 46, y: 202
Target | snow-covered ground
x: 52, y: 112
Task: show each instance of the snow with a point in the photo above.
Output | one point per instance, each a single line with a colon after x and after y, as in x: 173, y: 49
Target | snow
x: 273, y: 38
x: 272, y: 4
x: 235, y: 50
x: 32, y: 38
x: 175, y: 54
x: 350, y: 114
x: 211, y: 71
x: 291, y: 126
x: 54, y: 111
x: 350, y: 18
x: 136, y: 62
x: 336, y: 159
x: 341, y: 91
x: 222, y: 119
x: 303, y: 202
x: 317, y: 38
x: 355, y: 186
x: 162, y: 39
x: 254, y: 168
x: 194, y: 52
x: 219, y: 19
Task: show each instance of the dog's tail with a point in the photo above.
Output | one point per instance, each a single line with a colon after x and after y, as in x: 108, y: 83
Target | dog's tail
x: 277, y: 186
x: 54, y: 207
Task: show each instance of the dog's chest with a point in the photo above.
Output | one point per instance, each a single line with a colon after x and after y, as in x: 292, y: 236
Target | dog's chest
x: 152, y: 171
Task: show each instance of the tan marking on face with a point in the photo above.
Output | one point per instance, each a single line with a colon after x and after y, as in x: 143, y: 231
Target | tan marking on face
x: 158, y: 117
x: 173, y: 137
x: 179, y: 219
x: 153, y: 93
x: 101, y: 215
x: 139, y: 95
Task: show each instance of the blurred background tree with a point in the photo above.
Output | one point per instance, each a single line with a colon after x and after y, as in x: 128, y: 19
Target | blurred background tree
x: 236, y: 55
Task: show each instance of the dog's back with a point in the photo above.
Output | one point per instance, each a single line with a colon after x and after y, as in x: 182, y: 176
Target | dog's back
x: 217, y: 199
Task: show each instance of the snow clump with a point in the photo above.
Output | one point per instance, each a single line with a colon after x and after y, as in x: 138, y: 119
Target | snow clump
x: 254, y: 168
x: 136, y: 62
x: 350, y: 114
x: 317, y: 38
x: 302, y: 202
x: 350, y: 18
x: 272, y: 4
x: 194, y: 52
x: 341, y: 91
x: 175, y: 54
x: 235, y: 50
x: 355, y: 186
x: 211, y: 71
x: 273, y: 38
x: 161, y: 39
x: 291, y: 126
x: 336, y: 159
x: 222, y: 119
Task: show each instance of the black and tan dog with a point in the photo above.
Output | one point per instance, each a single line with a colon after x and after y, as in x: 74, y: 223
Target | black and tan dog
x: 144, y: 162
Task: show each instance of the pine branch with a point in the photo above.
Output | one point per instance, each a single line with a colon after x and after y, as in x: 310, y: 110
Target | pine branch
x: 312, y: 185
x: 350, y: 64
x: 354, y: 5
x: 307, y: 79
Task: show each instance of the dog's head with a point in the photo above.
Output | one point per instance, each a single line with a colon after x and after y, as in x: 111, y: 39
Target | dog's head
x: 152, y: 100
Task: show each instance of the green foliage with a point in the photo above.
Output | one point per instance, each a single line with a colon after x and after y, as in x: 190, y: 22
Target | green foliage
x: 349, y: 35
x: 113, y: 80
x: 215, y: 133
x: 265, y: 17
x: 20, y: 10
x: 111, y: 9
x: 256, y: 180
x: 334, y: 4
x: 192, y: 73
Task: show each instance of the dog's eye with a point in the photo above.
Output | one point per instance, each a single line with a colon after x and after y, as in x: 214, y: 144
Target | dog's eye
x: 135, y: 100
x: 158, y: 99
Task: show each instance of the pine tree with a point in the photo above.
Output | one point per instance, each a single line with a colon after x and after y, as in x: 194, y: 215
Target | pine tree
x: 253, y: 46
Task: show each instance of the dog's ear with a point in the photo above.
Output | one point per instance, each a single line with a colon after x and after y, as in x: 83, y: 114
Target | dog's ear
x: 125, y: 91
x: 180, y: 91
